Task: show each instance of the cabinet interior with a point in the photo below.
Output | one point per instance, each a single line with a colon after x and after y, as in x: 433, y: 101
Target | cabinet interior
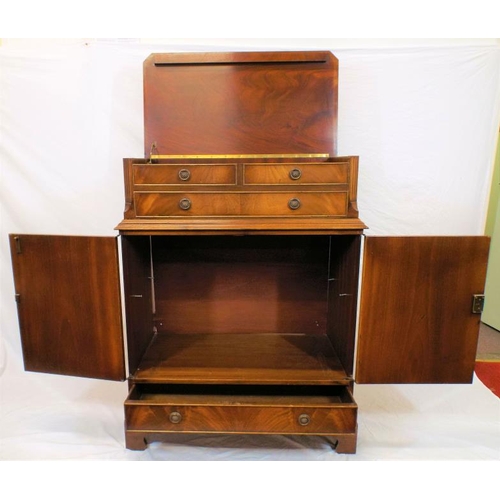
x: 229, y: 395
x: 267, y: 309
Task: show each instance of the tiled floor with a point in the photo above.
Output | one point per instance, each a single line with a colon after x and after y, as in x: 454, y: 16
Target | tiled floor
x: 489, y: 344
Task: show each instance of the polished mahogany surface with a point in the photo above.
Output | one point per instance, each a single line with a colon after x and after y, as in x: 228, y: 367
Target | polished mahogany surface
x: 69, y: 304
x: 306, y: 195
x: 416, y: 322
x: 240, y: 103
x: 237, y: 358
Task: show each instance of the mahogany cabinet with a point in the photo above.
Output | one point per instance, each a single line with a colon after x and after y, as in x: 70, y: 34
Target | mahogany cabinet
x: 241, y: 253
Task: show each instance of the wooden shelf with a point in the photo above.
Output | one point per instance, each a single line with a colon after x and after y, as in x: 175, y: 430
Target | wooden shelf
x: 241, y: 225
x: 241, y: 359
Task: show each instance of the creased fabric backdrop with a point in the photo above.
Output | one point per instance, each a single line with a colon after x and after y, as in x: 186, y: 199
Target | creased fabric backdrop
x: 424, y: 123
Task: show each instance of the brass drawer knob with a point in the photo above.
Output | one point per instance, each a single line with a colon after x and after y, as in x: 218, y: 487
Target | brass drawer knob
x: 295, y: 174
x: 185, y: 204
x: 294, y: 203
x: 304, y: 419
x: 175, y: 417
x: 184, y: 174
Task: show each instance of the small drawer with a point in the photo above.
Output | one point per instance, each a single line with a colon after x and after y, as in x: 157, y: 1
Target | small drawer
x: 241, y: 409
x: 300, y: 173
x: 179, y: 174
x: 294, y: 204
x: 186, y: 204
x: 196, y: 204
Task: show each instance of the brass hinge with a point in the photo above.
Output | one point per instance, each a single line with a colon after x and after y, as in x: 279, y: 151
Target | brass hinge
x: 152, y: 151
x: 477, y: 303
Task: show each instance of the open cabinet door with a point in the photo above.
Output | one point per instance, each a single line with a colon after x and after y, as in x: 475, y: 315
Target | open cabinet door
x: 68, y: 295
x: 416, y: 322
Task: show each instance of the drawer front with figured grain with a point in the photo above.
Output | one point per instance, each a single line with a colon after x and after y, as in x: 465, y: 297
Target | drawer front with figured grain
x: 301, y: 173
x: 294, y: 204
x: 154, y: 174
x: 197, y: 204
x: 241, y: 414
x: 186, y: 204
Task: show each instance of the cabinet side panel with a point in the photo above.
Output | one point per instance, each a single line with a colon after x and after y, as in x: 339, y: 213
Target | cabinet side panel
x: 69, y: 305
x: 416, y: 321
x: 137, y: 277
x: 343, y: 296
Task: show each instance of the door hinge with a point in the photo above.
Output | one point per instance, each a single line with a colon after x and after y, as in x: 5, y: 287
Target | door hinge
x: 17, y: 239
x: 477, y: 303
x: 18, y: 297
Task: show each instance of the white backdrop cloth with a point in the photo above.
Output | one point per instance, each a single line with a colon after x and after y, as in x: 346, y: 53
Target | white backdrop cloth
x: 424, y: 123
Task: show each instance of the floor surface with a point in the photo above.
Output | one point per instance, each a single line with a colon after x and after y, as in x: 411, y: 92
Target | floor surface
x: 488, y: 348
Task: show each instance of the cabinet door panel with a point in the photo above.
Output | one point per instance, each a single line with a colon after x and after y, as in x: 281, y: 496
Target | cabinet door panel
x: 416, y: 323
x: 69, y: 308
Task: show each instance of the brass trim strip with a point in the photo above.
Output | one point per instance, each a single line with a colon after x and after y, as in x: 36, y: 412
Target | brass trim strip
x: 285, y: 155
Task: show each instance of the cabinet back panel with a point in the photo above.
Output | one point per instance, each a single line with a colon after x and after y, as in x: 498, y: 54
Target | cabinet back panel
x: 244, y: 284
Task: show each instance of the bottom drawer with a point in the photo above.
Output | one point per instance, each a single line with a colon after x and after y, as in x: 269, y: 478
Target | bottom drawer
x: 217, y: 204
x: 241, y: 409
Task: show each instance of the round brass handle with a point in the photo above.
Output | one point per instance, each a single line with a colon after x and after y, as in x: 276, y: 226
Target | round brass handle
x: 185, y: 204
x: 294, y: 203
x: 175, y: 417
x: 304, y: 419
x: 295, y: 174
x: 184, y: 174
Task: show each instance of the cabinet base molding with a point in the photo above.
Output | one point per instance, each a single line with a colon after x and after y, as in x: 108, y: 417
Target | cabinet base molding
x: 139, y: 440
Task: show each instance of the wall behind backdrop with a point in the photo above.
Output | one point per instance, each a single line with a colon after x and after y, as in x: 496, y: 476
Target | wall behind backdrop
x: 422, y: 119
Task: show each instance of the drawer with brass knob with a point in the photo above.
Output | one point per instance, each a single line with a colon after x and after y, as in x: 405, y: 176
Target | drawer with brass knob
x: 319, y: 410
x: 234, y: 193
x: 183, y: 174
x: 300, y: 173
x: 268, y: 203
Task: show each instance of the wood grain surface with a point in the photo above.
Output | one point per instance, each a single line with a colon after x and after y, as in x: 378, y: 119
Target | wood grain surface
x: 237, y: 103
x: 241, y: 359
x: 171, y: 174
x: 321, y: 173
x: 248, y: 284
x: 416, y: 322
x: 222, y: 204
x: 69, y: 305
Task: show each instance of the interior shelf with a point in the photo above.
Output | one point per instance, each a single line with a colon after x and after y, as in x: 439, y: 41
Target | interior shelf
x: 257, y: 358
